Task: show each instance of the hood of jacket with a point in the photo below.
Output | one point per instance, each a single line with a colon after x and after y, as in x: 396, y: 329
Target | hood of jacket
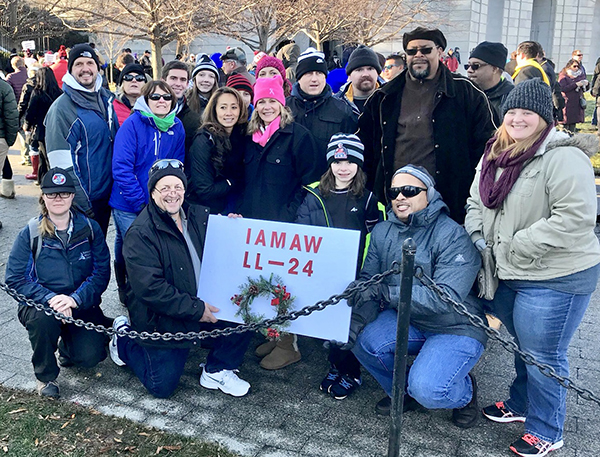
x: 586, y: 142
x: 142, y: 106
x: 422, y: 218
x: 86, y: 98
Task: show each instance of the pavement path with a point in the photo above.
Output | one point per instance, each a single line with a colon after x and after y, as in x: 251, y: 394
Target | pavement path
x: 285, y: 415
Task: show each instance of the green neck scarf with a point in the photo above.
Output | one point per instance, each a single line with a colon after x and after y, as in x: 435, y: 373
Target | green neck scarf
x: 162, y: 123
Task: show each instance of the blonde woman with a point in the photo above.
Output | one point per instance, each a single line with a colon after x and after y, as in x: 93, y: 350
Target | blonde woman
x: 60, y: 260
x: 533, y: 203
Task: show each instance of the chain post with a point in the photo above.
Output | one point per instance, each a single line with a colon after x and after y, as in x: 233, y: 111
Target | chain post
x: 409, y: 249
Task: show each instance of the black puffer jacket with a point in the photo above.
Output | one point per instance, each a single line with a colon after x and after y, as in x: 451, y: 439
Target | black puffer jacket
x: 191, y: 123
x: 462, y: 125
x: 9, y: 116
x: 323, y: 116
x: 162, y: 296
x: 275, y: 174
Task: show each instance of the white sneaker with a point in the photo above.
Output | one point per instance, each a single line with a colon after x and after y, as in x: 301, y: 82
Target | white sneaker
x: 120, y: 323
x: 226, y: 381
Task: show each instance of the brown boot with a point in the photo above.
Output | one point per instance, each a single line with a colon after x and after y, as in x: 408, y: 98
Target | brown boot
x: 285, y: 353
x: 265, y: 349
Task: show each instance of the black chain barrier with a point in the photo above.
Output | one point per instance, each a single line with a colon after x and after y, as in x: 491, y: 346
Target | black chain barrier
x: 509, y: 345
x: 179, y: 336
x: 428, y: 282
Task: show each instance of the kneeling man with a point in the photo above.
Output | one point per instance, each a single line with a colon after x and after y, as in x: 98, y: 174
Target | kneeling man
x: 446, y: 346
x: 163, y: 254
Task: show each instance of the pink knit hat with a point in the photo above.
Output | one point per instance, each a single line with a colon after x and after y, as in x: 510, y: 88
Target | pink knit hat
x: 269, y: 88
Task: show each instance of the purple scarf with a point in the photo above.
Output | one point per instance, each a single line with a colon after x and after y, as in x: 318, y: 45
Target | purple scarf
x: 493, y: 193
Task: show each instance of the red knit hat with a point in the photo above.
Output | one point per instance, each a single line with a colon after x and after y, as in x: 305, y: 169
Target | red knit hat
x: 240, y: 82
x: 269, y: 88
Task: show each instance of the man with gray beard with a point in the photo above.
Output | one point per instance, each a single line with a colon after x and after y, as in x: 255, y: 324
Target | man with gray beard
x: 426, y: 116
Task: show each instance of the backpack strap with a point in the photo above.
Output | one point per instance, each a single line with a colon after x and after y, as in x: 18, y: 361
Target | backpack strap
x: 34, y: 237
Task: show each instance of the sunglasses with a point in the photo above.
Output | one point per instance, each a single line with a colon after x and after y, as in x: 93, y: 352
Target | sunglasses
x: 138, y: 78
x: 157, y: 97
x: 579, y: 55
x: 164, y: 163
x: 475, y: 66
x: 425, y: 51
x: 389, y: 67
x: 407, y: 191
x: 62, y: 195
x: 575, y: 67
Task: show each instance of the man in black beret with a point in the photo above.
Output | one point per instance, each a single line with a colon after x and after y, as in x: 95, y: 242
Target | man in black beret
x: 426, y: 116
x: 486, y: 68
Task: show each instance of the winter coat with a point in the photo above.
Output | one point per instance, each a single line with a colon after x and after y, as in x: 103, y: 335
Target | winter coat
x: 360, y: 213
x: 38, y: 107
x: 138, y: 144
x: 208, y: 186
x: 529, y: 69
x: 275, y: 174
x: 497, y: 95
x: 545, y: 226
x: 462, y: 125
x: 163, y: 286
x: 444, y: 252
x: 323, y: 117
x: 346, y: 94
x: 191, y: 123
x: 451, y: 63
x: 17, y: 80
x: 573, y: 113
x: 9, y: 116
x: 60, y: 69
x: 80, y: 130
x: 80, y: 269
x: 122, y: 108
x: 26, y: 93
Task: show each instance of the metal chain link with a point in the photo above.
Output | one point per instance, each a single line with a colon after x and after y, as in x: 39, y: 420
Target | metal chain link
x: 189, y: 336
x: 509, y: 345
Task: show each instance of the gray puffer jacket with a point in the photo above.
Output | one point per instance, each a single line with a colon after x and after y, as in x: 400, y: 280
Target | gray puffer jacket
x: 444, y: 252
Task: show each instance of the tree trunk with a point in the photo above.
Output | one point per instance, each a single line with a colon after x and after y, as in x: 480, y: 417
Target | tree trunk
x: 156, y: 58
x: 263, y: 39
x: 179, y: 49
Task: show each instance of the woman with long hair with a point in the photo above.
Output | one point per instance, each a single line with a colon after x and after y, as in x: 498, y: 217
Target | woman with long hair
x: 205, y: 81
x: 573, y: 84
x: 151, y: 133
x: 45, y: 91
x: 215, y: 164
x: 280, y: 159
x: 533, y: 206
x: 60, y: 259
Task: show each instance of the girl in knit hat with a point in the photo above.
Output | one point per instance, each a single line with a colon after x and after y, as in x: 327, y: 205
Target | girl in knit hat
x: 279, y: 160
x: 205, y: 81
x: 533, y: 206
x: 340, y: 200
x: 269, y: 66
x: 244, y: 87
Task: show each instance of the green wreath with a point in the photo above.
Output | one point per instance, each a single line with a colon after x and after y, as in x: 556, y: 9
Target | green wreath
x: 263, y: 287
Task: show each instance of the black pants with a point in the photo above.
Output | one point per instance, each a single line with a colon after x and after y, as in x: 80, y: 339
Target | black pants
x: 101, y: 213
x: 83, y: 348
x: 7, y: 172
x: 345, y: 362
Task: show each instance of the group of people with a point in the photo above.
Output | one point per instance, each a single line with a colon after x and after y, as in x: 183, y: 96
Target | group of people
x: 468, y: 170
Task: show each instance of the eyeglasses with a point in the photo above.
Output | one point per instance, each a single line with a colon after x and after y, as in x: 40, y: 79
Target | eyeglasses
x: 62, y: 195
x: 389, y: 67
x: 424, y: 50
x: 164, y: 163
x: 407, y: 191
x: 157, y: 97
x: 169, y: 190
x: 475, y: 66
x: 138, y: 78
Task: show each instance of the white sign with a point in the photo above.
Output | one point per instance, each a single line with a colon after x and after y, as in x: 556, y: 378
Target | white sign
x: 313, y: 263
x: 49, y: 58
x: 29, y: 44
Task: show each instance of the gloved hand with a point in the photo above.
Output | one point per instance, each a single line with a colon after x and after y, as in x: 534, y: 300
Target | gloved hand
x: 376, y: 292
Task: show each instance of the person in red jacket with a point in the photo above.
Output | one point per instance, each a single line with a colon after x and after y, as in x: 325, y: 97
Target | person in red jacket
x: 61, y: 66
x: 130, y: 83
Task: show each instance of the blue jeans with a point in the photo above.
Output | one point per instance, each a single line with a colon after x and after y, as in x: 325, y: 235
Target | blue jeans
x: 438, y: 378
x: 123, y: 220
x: 542, y: 322
x: 160, y: 368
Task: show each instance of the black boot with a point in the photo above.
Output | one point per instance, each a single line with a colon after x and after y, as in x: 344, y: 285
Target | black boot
x: 466, y: 417
x: 121, y: 278
x: 384, y: 406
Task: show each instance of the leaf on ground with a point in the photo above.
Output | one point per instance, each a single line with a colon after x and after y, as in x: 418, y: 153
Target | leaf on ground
x: 37, y: 442
x: 16, y: 411
x: 119, y: 432
x: 158, y: 449
x: 118, y: 440
x: 144, y: 434
x: 172, y: 448
x: 65, y: 424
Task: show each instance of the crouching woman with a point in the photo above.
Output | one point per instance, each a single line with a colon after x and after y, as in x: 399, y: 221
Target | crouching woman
x: 60, y: 260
